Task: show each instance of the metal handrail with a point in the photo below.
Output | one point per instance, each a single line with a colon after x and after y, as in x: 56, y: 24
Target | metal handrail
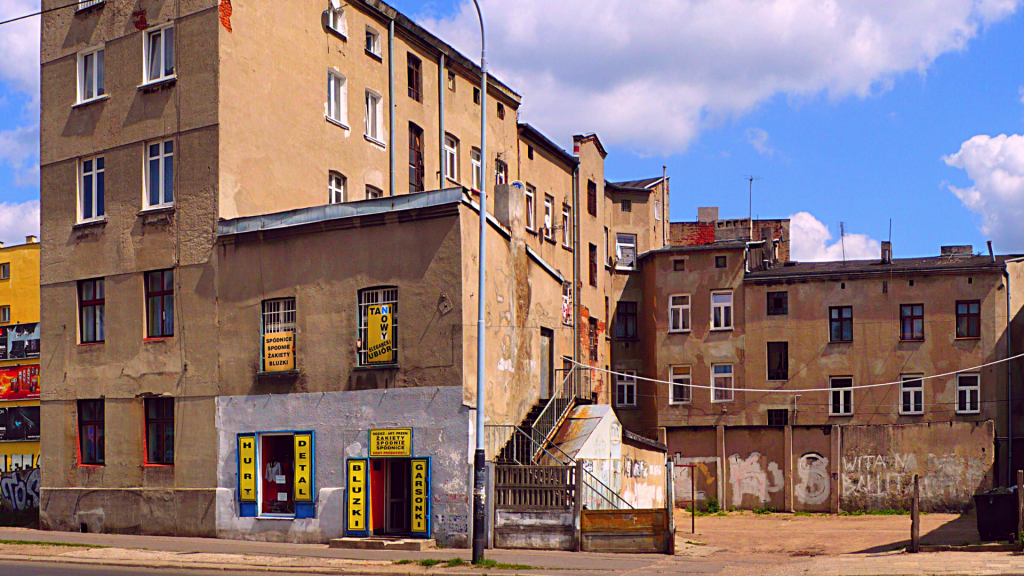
x: 544, y: 426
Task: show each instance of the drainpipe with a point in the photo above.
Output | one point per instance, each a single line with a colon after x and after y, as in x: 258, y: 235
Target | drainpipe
x: 576, y: 267
x: 441, y: 85
x: 391, y: 99
x: 664, y: 217
x: 1009, y: 385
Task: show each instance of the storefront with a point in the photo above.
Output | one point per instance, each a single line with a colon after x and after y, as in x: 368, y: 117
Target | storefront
x: 388, y: 494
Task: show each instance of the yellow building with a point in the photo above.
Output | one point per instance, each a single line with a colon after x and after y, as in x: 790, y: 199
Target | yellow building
x: 19, y: 356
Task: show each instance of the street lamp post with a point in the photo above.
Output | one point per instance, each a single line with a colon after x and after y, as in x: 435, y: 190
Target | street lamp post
x: 479, y: 468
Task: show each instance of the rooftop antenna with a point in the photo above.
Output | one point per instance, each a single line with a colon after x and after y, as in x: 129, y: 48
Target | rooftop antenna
x: 890, y: 230
x: 842, y: 239
x: 750, y: 215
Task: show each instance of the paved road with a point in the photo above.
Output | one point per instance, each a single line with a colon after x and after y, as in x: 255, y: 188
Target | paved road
x: 9, y: 568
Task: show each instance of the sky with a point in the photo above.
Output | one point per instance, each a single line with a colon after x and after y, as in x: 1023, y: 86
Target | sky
x: 865, y: 112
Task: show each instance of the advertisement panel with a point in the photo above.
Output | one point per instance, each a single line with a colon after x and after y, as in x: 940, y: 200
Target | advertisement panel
x: 19, y: 382
x: 391, y: 442
x: 18, y: 423
x: 420, y: 496
x: 380, y: 349
x: 19, y: 341
x: 358, y: 496
x: 279, y: 352
x: 303, y: 467
x: 247, y: 468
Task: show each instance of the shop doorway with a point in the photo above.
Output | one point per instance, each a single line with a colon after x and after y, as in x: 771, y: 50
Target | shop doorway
x: 277, y: 456
x: 391, y: 496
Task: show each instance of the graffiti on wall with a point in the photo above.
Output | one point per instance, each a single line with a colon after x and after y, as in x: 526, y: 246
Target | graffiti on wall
x: 814, y: 481
x: 19, y: 490
x: 746, y: 476
x: 634, y: 468
x: 943, y: 477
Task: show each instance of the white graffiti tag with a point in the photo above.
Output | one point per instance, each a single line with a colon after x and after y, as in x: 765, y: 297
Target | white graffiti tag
x: 813, y: 488
x: 747, y: 477
x: 19, y: 490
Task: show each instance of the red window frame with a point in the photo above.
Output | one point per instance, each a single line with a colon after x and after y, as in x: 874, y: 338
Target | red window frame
x: 90, y: 307
x: 158, y: 298
x: 911, y: 322
x: 159, y: 418
x: 416, y: 169
x: 97, y: 427
x: 971, y: 320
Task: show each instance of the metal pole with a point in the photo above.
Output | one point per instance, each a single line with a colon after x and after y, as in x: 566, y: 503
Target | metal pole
x: 915, y: 518
x: 391, y: 104
x: 479, y: 486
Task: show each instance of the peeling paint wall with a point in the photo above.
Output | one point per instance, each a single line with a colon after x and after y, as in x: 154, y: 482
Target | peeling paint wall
x: 643, y: 476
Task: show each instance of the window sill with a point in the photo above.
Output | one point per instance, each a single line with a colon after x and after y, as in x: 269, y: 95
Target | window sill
x: 627, y: 407
x: 88, y: 344
x: 840, y: 415
x: 374, y: 55
x: 90, y: 8
x: 150, y: 465
x: 158, y: 338
x: 840, y: 341
x: 156, y: 210
x: 452, y: 180
x: 531, y: 230
x: 154, y: 85
x: 973, y: 413
x: 621, y: 269
x: 373, y: 140
x: 90, y: 223
x: 680, y: 404
x: 729, y: 329
x: 337, y: 33
x: 550, y: 239
x: 722, y: 401
x: 95, y: 100
x: 82, y: 465
x: 338, y: 123
x: 379, y: 367
x: 678, y: 331
x: 911, y: 413
x: 967, y: 338
x: 262, y: 374
x: 567, y: 247
x: 911, y: 340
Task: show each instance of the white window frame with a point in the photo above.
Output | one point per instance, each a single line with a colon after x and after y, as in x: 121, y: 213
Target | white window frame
x: 680, y: 310
x: 549, y: 217
x: 451, y: 158
x: 566, y: 226
x: 336, y: 19
x: 336, y: 108
x: 162, y: 166
x: 913, y: 390
x: 500, y: 173
x: 5, y: 314
x: 374, y: 107
x: 5, y: 270
x: 657, y: 210
x: 730, y: 389
x: 98, y: 74
x: 93, y: 195
x: 278, y: 315
x: 165, y: 32
x: 625, y: 243
x: 337, y: 187
x: 680, y: 375
x: 846, y: 408
x: 474, y: 159
x: 530, y: 205
x: 975, y: 388
x: 84, y: 4
x: 723, y: 306
x: 372, y: 45
x: 625, y: 380
x: 372, y: 296
x: 373, y: 192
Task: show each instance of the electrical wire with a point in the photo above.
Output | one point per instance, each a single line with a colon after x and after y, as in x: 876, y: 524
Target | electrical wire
x: 39, y: 13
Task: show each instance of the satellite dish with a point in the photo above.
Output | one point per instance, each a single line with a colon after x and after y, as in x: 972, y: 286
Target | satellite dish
x: 518, y: 185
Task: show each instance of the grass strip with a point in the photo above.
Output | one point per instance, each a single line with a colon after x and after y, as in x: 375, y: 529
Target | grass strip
x: 41, y: 543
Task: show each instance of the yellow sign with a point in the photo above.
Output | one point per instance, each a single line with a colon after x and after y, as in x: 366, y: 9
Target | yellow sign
x: 247, y: 468
x: 279, y: 351
x: 420, y: 495
x: 303, y: 467
x: 391, y: 442
x: 358, y: 496
x: 380, y: 349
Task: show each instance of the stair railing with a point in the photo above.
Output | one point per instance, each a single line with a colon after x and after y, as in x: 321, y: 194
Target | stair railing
x: 560, y: 402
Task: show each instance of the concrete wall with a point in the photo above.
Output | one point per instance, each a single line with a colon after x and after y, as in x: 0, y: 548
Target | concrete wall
x: 643, y: 475
x: 629, y: 531
x: 538, y: 529
x: 442, y: 430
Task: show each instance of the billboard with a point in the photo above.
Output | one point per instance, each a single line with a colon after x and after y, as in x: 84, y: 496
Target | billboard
x: 19, y: 382
x: 19, y: 423
x: 19, y: 341
x: 381, y: 349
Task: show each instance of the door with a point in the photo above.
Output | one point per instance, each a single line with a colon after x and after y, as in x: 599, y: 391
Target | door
x: 547, y: 363
x: 399, y: 476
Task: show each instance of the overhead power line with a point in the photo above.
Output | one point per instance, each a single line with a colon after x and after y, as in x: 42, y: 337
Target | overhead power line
x: 39, y: 13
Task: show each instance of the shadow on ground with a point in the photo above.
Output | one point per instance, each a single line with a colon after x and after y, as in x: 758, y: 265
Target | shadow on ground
x: 959, y: 531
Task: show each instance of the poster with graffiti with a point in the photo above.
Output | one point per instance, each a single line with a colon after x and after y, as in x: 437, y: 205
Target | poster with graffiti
x: 19, y: 423
x: 19, y: 382
x: 19, y: 341
x: 19, y: 498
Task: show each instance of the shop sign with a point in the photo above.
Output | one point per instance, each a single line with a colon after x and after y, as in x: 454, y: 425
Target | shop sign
x: 391, y: 442
x: 19, y: 341
x: 19, y: 382
x: 420, y: 496
x: 247, y: 468
x: 279, y: 351
x: 358, y: 497
x: 303, y: 467
x: 380, y: 349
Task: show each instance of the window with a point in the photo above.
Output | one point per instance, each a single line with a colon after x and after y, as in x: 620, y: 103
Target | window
x: 5, y: 270
x: 593, y: 339
x: 567, y: 309
x: 625, y: 321
x: 625, y: 251
x: 529, y: 151
x: 778, y: 303
x: 451, y: 81
x: 968, y: 319
x: 500, y: 172
x: 336, y: 187
x: 476, y: 95
x: 279, y: 315
x: 911, y: 394
x: 625, y: 388
x: 912, y: 322
x: 373, y: 192
x: 387, y: 299
x: 373, y: 117
x: 593, y: 265
x: 90, y: 75
x: 414, y: 67
x: 841, y: 396
x: 160, y: 174
x: 5, y: 314
x: 681, y: 390
x: 840, y: 324
x: 721, y: 383
x: 451, y: 157
x: 83, y: 4
x: 591, y: 198
x: 657, y: 210
x: 778, y: 417
x: 474, y: 159
x: 720, y: 261
x: 159, y: 57
x: 778, y: 360
x: 501, y: 111
x: 372, y: 45
x: 90, y: 432
x: 721, y: 310
x: 92, y: 186
x: 679, y: 313
x: 968, y: 392
x: 416, y: 169
x: 337, y: 98
x: 679, y: 265
x: 531, y: 207
x: 336, y: 20
x: 160, y: 431
x: 627, y: 205
x: 160, y: 304
x: 549, y: 215
x: 91, y: 307
x: 566, y: 226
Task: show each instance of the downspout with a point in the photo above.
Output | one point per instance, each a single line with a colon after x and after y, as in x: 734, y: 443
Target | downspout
x: 576, y: 268
x: 441, y: 86
x: 1009, y: 386
x: 664, y: 217
x: 391, y: 99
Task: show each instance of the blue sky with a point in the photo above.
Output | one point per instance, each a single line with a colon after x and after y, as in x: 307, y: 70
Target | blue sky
x: 848, y: 111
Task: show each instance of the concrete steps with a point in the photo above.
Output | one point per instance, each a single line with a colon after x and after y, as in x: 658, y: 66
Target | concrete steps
x: 381, y: 543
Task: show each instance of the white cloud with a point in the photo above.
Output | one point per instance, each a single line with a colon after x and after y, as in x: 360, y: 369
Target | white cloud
x: 19, y: 148
x: 758, y: 138
x: 996, y: 165
x: 18, y: 221
x: 809, y: 242
x: 19, y: 44
x: 652, y: 75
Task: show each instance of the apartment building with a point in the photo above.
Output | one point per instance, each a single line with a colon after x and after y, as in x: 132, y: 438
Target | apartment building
x: 281, y: 207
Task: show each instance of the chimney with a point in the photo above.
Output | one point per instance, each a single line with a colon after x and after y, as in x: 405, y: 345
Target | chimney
x: 886, y: 252
x: 964, y: 250
x: 31, y: 239
x: 707, y: 214
x: 990, y: 253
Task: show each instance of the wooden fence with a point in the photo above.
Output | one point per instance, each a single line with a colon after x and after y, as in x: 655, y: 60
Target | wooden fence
x: 533, y: 487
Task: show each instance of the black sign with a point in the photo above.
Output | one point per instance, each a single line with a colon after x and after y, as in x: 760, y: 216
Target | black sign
x: 19, y: 341
x: 19, y: 423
